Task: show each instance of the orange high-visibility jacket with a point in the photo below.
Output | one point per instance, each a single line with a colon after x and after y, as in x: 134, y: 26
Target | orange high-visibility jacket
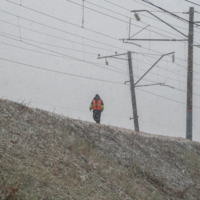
x: 97, y: 106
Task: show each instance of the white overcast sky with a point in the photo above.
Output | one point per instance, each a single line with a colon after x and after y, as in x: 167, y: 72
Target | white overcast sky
x: 41, y: 41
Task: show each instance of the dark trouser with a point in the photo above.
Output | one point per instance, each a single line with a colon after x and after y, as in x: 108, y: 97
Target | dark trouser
x: 97, y: 116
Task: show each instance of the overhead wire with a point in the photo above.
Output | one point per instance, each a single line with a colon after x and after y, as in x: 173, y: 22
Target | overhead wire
x: 160, y: 67
x: 90, y: 39
x: 119, y: 71
x: 151, y: 31
x: 78, y: 25
x: 58, y: 72
x: 159, y: 20
x: 145, y: 91
x: 81, y: 51
x: 63, y: 39
x: 78, y: 110
x: 63, y: 54
x: 118, y: 47
x: 65, y: 21
x: 62, y: 30
x: 84, y: 7
x: 165, y: 97
x: 135, y: 19
x: 142, y: 21
x: 92, y: 62
x: 74, y: 58
x: 170, y: 13
x: 120, y: 19
x: 54, y: 55
x: 148, y: 16
x: 164, y: 76
x: 193, y: 3
x: 151, y: 7
x: 123, y: 72
x: 114, y: 82
x: 59, y: 56
x: 61, y: 47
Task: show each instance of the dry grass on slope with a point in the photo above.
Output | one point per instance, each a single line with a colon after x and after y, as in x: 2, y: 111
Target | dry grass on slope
x: 46, y: 157
x: 42, y: 158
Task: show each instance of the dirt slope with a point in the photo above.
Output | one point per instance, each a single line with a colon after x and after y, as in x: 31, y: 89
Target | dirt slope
x: 44, y: 156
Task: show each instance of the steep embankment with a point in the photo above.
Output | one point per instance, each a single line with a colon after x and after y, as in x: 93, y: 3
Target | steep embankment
x: 46, y: 156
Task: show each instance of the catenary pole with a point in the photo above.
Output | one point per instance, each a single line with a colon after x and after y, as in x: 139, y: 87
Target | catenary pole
x: 189, y: 119
x: 133, y: 96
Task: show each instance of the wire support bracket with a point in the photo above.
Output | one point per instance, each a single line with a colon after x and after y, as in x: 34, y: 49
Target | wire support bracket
x: 152, y: 67
x: 135, y: 11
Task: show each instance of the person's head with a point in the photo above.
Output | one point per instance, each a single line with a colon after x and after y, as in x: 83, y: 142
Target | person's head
x: 97, y: 96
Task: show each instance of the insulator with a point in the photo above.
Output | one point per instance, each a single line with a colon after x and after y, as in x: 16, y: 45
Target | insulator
x: 137, y: 17
x: 173, y: 58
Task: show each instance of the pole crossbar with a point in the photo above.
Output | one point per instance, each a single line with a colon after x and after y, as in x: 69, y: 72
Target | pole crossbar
x: 112, y: 56
x: 172, y: 40
x: 150, y: 85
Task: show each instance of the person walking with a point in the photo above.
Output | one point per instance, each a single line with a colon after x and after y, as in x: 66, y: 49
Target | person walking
x: 97, y: 106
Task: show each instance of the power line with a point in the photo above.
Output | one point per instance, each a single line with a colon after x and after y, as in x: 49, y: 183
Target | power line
x: 55, y: 55
x: 87, y: 38
x: 85, y: 52
x: 175, y: 62
x: 145, y: 16
x: 169, y: 78
x: 166, y: 70
x: 58, y: 72
x: 63, y: 30
x: 78, y: 110
x: 79, y: 26
x: 149, y: 16
x: 165, y: 97
x: 118, y: 6
x: 99, y: 48
x: 72, y: 41
x: 163, y: 69
x: 170, y: 13
x: 50, y: 44
x: 64, y: 73
x: 77, y: 59
x: 193, y: 3
x: 121, y: 19
x: 69, y: 40
x: 147, y: 6
x: 121, y: 72
x: 60, y: 19
x: 147, y: 48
